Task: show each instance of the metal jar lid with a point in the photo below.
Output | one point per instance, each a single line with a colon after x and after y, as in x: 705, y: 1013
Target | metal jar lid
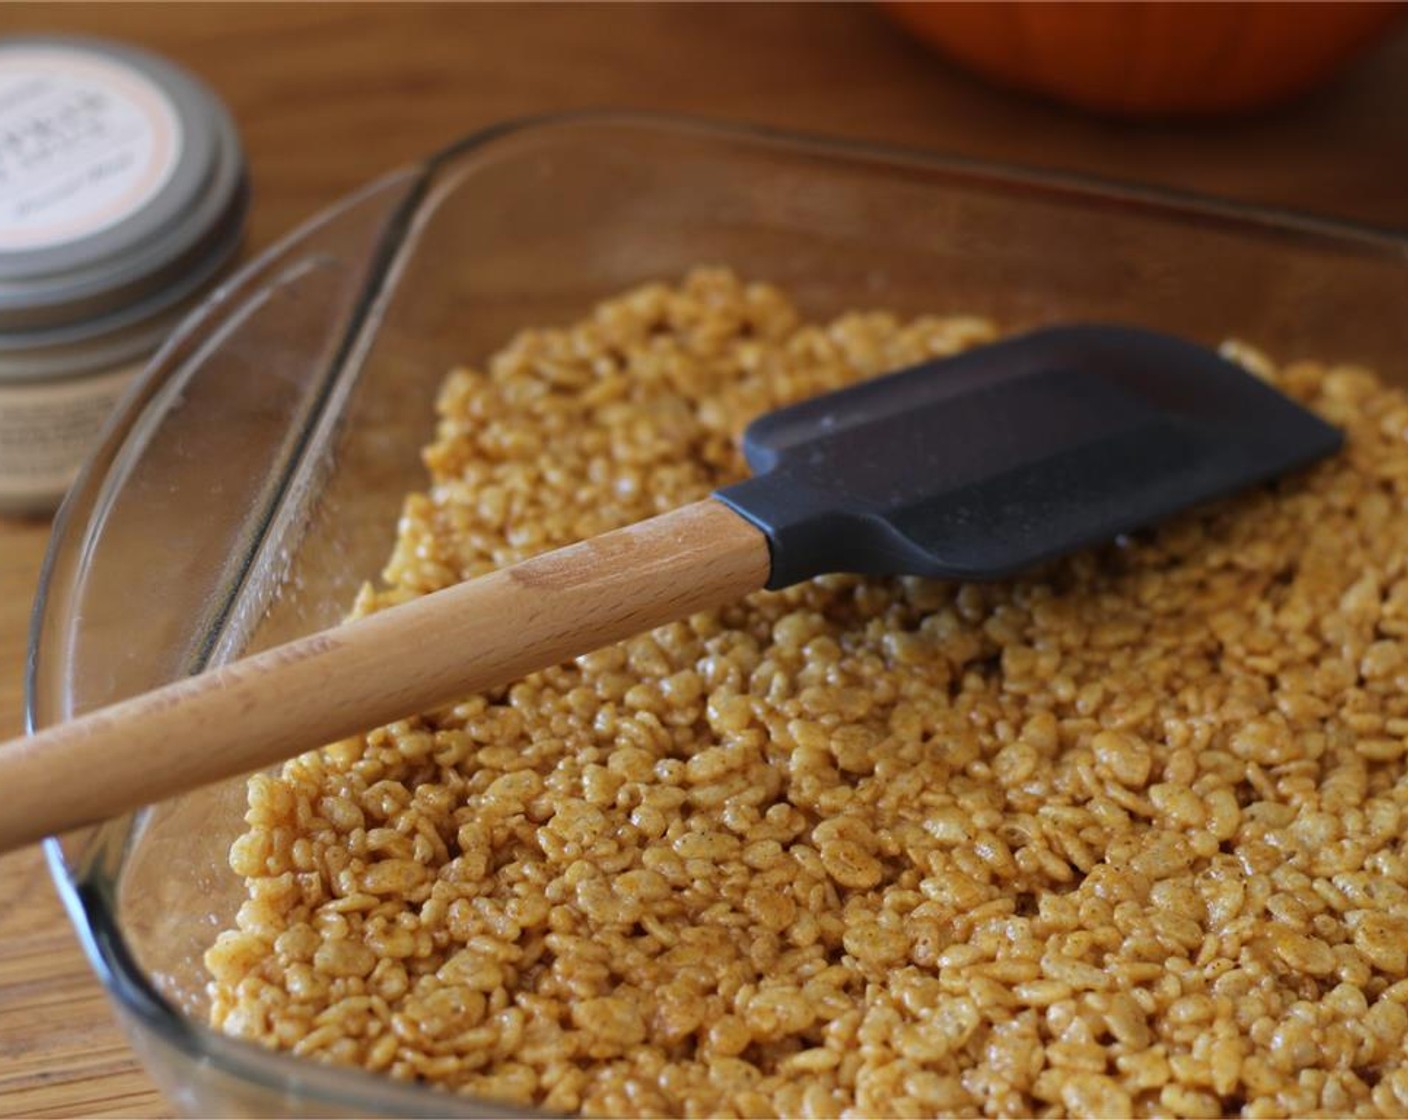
x: 122, y: 189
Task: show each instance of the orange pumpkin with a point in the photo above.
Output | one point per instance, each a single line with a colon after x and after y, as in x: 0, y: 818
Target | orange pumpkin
x: 1161, y: 57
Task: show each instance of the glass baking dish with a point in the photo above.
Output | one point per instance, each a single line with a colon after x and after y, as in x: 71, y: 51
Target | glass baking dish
x: 255, y: 475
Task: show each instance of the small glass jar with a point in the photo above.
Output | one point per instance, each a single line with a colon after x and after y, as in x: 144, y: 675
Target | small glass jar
x: 123, y: 195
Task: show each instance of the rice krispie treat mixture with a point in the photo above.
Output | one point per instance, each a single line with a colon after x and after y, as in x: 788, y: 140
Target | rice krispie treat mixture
x: 1124, y: 837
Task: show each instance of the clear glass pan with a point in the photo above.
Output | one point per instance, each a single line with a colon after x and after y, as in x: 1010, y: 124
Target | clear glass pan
x: 254, y: 478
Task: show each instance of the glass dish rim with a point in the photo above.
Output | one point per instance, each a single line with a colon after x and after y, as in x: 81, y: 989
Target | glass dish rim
x: 88, y: 892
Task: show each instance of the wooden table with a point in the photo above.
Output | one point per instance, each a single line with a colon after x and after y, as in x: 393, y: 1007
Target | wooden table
x: 328, y: 96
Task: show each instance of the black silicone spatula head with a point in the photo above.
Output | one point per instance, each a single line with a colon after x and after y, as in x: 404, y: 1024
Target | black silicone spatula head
x: 981, y: 465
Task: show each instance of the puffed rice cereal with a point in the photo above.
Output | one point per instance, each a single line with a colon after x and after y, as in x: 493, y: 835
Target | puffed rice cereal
x: 1121, y: 838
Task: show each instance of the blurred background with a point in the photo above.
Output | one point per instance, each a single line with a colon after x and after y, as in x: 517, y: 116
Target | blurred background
x: 1301, y: 109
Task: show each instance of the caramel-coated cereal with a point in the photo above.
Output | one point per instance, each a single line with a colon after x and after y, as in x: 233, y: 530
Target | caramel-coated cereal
x: 1121, y: 837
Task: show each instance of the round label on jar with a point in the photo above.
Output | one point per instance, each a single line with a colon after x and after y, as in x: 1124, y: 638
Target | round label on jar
x: 85, y: 142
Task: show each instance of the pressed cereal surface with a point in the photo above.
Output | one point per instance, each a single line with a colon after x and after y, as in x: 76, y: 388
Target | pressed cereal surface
x: 1125, y: 837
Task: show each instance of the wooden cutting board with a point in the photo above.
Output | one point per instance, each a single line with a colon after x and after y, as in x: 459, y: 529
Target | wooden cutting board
x: 328, y: 96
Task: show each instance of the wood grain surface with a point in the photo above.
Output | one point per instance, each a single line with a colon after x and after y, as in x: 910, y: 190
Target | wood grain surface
x: 327, y: 96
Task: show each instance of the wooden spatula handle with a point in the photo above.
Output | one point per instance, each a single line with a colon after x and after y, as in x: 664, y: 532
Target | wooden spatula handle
x: 477, y: 635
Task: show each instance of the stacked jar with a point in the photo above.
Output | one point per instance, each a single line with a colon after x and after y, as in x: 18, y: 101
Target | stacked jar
x: 123, y: 195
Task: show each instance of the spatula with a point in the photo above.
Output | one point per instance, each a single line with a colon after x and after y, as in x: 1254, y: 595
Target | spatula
x: 972, y: 467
